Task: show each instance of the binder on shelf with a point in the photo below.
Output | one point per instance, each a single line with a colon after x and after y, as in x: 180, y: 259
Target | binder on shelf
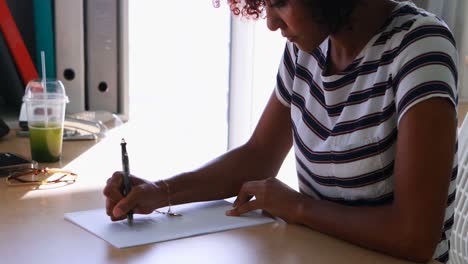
x: 10, y: 80
x: 101, y: 20
x: 123, y: 62
x: 44, y: 28
x: 70, y: 51
x: 16, y: 45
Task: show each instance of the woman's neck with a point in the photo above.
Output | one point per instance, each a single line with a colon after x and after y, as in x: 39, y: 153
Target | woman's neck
x: 367, y: 19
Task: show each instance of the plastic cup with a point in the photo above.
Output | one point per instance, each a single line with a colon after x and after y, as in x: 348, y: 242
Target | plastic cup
x: 45, y: 102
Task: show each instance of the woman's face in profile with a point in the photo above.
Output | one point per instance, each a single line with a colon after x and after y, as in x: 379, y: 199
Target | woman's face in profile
x: 293, y: 19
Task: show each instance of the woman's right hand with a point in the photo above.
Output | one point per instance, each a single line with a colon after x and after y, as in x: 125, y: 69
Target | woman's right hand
x: 144, y: 197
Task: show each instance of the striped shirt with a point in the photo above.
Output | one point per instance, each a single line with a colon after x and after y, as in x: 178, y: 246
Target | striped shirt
x: 345, y: 126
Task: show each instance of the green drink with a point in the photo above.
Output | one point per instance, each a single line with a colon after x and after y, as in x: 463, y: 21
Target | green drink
x: 46, y: 142
x: 45, y: 102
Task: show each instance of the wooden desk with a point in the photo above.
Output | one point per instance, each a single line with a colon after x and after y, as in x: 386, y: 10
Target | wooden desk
x: 33, y: 229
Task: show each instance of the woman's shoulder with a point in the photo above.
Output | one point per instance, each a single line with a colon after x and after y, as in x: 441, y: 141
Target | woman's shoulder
x: 407, y: 17
x: 410, y: 25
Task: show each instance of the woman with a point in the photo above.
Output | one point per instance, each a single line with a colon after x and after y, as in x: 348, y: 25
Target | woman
x: 366, y: 94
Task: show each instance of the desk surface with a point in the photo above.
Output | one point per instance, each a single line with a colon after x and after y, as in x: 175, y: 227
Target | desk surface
x: 33, y: 229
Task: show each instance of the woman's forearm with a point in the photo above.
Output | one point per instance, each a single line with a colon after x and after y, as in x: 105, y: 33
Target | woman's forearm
x: 382, y: 228
x: 260, y: 158
x: 223, y: 177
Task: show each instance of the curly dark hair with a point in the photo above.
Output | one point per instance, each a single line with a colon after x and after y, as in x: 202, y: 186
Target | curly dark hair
x: 335, y: 14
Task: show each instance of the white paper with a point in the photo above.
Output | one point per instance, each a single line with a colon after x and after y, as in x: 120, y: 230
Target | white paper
x: 197, y: 219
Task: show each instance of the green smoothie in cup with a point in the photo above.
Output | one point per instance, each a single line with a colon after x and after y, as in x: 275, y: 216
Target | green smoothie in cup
x: 46, y: 142
x: 45, y: 102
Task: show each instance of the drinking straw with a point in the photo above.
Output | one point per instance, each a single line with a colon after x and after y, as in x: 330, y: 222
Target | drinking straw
x: 44, y: 86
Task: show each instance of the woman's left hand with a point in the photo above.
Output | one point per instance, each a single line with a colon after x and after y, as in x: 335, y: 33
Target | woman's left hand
x: 272, y: 196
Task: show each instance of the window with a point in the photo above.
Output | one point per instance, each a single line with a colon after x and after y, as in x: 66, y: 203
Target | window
x: 256, y: 54
x: 179, y: 69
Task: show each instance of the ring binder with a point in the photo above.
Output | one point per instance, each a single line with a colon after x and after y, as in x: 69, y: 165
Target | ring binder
x: 70, y: 51
x: 102, y: 55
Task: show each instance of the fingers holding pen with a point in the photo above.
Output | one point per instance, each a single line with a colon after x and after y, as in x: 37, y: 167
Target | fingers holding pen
x: 113, y: 189
x: 112, y: 192
x: 116, y: 203
x: 110, y: 205
x: 144, y: 197
x: 125, y: 205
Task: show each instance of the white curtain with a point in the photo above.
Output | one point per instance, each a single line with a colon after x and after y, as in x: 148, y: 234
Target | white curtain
x: 454, y: 13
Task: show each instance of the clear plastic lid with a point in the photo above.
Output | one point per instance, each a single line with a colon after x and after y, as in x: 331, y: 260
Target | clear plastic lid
x: 49, y: 90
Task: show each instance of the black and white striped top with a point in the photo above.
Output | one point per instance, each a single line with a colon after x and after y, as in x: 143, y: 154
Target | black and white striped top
x: 345, y: 126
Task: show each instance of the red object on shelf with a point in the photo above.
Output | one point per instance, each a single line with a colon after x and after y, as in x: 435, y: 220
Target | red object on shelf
x: 18, y: 50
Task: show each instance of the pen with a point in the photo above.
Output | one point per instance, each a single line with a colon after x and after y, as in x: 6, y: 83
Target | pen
x: 127, y: 185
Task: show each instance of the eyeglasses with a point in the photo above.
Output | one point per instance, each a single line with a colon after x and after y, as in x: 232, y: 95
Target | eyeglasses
x: 42, y: 178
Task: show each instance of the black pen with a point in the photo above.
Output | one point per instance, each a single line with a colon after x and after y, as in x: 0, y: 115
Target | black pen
x: 126, y: 181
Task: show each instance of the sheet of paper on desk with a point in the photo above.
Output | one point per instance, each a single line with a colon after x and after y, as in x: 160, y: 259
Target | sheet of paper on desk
x: 197, y: 219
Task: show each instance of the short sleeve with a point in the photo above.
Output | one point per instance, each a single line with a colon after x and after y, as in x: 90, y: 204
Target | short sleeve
x: 286, y: 73
x: 426, y: 66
